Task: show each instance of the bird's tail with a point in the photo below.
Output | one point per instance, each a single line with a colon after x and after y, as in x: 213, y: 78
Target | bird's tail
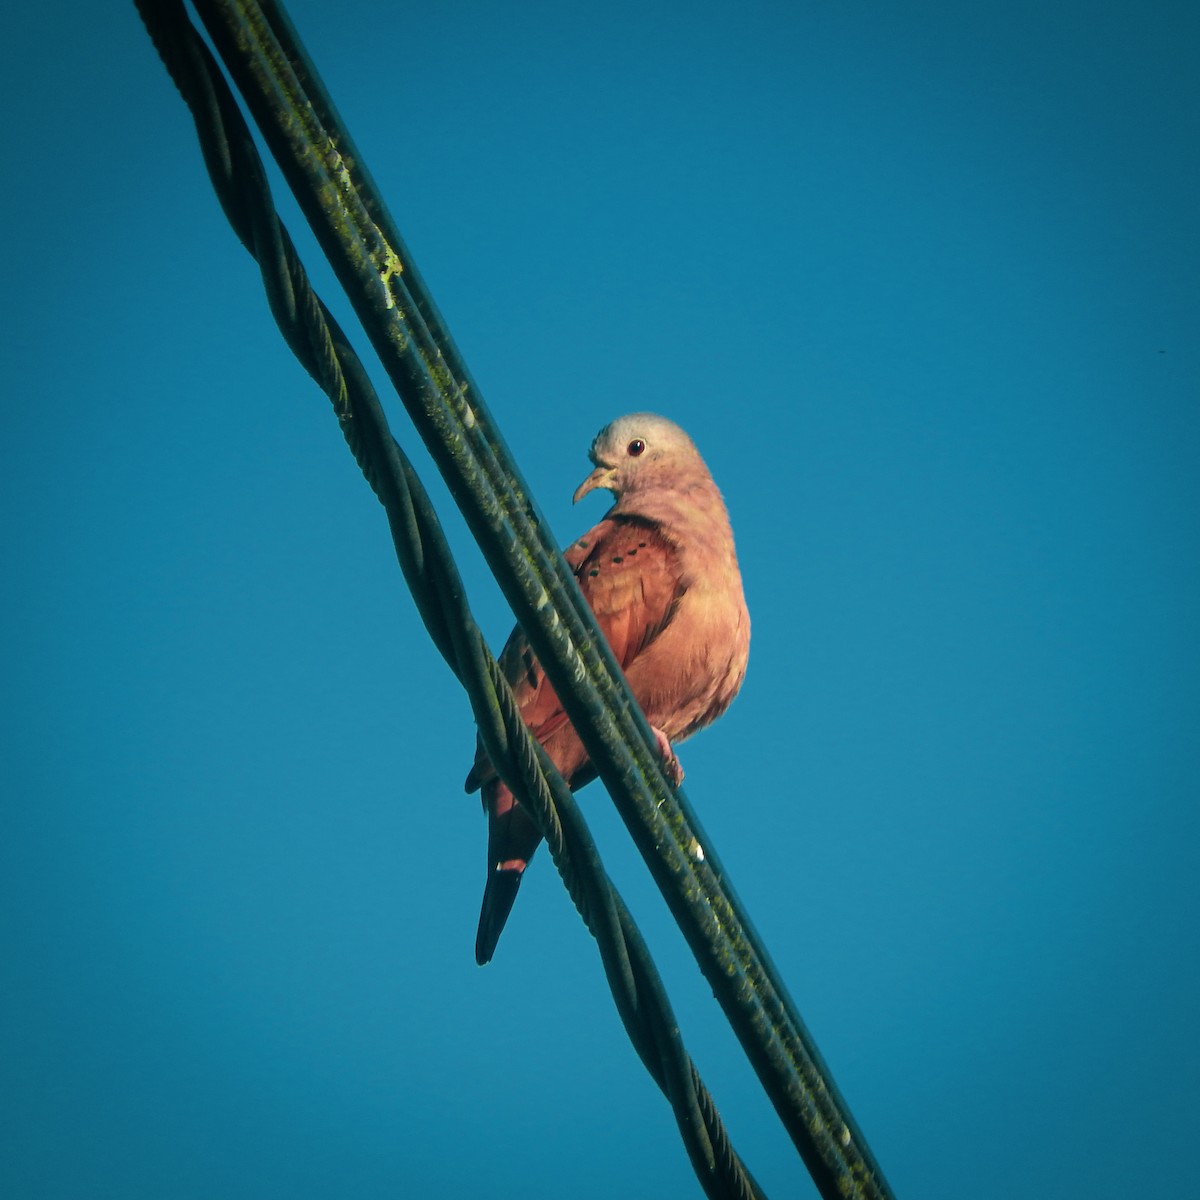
x: 512, y: 839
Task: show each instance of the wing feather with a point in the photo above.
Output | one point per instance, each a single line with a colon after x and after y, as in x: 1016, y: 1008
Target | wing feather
x: 630, y: 575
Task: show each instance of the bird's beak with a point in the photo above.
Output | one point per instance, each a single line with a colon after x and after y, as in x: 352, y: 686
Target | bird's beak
x: 601, y: 477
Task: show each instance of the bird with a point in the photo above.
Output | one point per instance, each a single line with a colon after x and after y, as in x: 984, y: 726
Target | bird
x: 660, y: 573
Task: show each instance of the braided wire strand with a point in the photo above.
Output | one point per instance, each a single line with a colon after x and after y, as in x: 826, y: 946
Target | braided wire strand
x: 319, y: 343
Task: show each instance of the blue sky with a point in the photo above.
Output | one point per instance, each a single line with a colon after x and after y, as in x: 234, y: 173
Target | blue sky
x: 923, y: 287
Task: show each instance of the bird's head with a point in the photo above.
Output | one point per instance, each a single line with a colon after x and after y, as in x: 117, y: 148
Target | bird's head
x: 638, y: 452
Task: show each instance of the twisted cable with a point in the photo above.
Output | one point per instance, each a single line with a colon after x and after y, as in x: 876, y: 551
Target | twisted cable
x: 322, y: 348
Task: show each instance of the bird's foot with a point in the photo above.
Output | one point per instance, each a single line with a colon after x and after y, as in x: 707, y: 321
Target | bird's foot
x: 670, y: 764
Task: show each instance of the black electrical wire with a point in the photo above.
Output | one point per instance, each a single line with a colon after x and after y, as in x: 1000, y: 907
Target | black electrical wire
x: 429, y: 569
x: 327, y: 175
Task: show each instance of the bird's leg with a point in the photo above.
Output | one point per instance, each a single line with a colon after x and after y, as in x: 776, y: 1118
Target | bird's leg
x: 672, y: 768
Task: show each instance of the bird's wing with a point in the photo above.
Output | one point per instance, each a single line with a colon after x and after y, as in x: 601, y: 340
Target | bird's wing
x: 630, y: 576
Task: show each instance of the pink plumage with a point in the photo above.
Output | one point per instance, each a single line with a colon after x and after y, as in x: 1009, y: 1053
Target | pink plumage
x: 660, y: 573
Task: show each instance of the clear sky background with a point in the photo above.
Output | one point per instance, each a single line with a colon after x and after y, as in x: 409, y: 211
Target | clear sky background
x: 924, y: 286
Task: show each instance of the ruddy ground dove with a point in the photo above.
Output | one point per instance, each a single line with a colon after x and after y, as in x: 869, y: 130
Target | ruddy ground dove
x: 660, y: 574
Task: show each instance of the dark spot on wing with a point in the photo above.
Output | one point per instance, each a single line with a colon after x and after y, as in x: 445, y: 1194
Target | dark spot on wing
x: 531, y: 673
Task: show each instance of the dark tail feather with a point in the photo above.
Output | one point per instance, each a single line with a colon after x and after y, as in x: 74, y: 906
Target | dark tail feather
x: 498, y: 898
x: 512, y: 839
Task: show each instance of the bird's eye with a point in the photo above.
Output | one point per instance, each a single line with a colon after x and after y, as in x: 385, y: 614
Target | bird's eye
x: 636, y: 447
